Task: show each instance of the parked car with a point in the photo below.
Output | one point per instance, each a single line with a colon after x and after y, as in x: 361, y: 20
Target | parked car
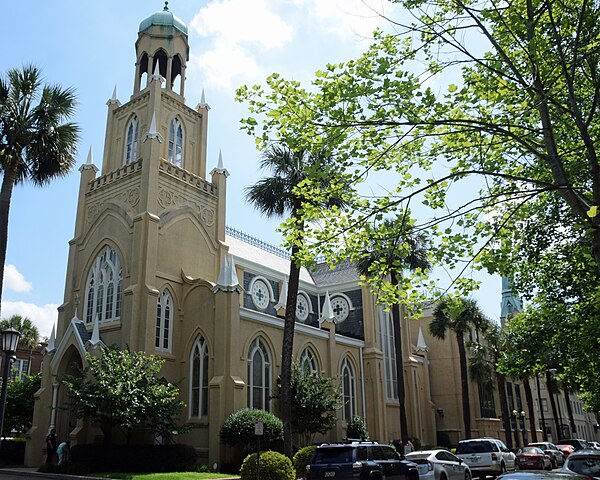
x: 576, y: 443
x: 583, y: 462
x: 533, y: 458
x: 439, y: 465
x: 539, y: 475
x: 566, y: 450
x: 486, y: 456
x: 359, y: 461
x: 556, y: 456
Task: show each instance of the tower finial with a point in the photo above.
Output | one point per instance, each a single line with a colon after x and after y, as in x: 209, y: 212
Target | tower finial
x: 166, y: 9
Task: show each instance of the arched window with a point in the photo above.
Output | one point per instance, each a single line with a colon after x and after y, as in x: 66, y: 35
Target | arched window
x: 259, y: 376
x: 103, y: 288
x: 164, y: 322
x: 389, y: 354
x: 199, y: 379
x: 308, y: 362
x: 348, y: 390
x: 176, y: 143
x: 131, y: 141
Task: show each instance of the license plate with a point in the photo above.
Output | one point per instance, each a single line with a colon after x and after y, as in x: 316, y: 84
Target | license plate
x: 474, y: 459
x: 329, y: 474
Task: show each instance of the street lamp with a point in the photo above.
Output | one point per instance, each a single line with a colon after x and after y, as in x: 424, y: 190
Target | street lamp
x: 519, y: 415
x: 10, y: 341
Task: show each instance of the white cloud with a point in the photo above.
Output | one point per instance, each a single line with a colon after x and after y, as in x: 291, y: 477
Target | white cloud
x: 237, y: 30
x: 14, y: 280
x: 43, y: 317
x: 349, y: 18
x: 225, y: 66
x: 242, y: 22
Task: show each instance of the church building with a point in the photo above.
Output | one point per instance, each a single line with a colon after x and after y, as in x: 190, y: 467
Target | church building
x: 153, y: 267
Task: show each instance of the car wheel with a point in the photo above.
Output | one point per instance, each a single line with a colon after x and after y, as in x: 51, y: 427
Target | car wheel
x: 467, y: 475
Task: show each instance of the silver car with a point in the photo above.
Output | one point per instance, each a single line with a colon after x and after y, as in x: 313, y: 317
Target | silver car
x: 583, y: 462
x: 439, y: 465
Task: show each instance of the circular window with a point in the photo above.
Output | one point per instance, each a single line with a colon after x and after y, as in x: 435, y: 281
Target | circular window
x: 260, y: 294
x: 340, y: 308
x: 302, y: 309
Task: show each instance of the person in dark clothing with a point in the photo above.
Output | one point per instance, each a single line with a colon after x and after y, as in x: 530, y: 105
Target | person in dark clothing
x: 50, y: 445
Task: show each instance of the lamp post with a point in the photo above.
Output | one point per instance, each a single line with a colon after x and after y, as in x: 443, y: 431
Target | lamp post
x: 10, y: 341
x: 519, y: 416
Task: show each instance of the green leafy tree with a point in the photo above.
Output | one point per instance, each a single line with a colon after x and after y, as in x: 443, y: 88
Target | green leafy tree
x: 122, y: 389
x: 277, y: 196
x: 514, y: 112
x: 37, y: 143
x: 315, y: 401
x: 383, y: 263
x: 19, y: 403
x: 459, y: 315
x: 30, y: 335
x: 238, y: 430
x: 357, y: 428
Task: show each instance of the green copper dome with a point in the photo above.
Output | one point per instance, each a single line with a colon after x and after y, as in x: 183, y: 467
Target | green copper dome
x: 164, y: 18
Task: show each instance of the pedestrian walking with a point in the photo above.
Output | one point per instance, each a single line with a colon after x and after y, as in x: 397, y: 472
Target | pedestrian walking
x: 50, y: 445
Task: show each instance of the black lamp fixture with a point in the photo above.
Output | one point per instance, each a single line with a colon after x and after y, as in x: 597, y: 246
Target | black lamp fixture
x: 10, y: 342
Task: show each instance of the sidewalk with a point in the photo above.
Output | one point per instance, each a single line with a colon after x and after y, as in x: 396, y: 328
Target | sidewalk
x: 25, y: 472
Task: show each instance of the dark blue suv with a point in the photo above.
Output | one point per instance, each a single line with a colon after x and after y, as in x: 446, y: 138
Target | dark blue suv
x: 359, y: 461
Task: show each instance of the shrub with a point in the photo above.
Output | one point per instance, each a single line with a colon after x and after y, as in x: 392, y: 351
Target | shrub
x: 238, y: 430
x: 302, y: 459
x: 357, y: 428
x: 273, y: 466
x: 132, y: 458
x: 13, y: 451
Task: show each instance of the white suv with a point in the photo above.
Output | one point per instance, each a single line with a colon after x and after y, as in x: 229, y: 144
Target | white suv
x: 486, y: 456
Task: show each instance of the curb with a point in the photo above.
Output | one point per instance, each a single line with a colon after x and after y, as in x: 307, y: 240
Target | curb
x: 34, y: 474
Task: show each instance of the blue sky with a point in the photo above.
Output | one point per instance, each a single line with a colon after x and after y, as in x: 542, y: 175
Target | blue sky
x: 90, y: 46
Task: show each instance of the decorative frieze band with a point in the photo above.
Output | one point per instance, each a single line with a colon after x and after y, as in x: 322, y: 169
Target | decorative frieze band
x: 168, y: 198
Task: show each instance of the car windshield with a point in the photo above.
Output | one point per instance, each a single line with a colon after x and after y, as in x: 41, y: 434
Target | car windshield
x: 475, y: 447
x: 530, y: 450
x: 333, y: 455
x: 589, y: 466
x: 418, y: 458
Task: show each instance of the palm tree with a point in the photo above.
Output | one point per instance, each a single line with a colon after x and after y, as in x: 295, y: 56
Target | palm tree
x: 389, y: 255
x: 459, y: 315
x: 35, y: 142
x: 277, y: 196
x: 30, y: 335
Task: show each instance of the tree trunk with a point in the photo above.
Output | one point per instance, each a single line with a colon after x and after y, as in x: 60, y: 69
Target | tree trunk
x: 570, y: 413
x: 8, y: 182
x: 550, y: 385
x: 501, y: 381
x: 530, y: 410
x: 397, y: 327
x: 287, y: 348
x: 464, y: 382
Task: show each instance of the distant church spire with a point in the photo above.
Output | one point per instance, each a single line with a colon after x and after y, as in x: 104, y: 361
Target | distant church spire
x: 510, y: 304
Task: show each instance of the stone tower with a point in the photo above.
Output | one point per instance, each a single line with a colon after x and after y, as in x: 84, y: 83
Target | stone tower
x: 144, y: 266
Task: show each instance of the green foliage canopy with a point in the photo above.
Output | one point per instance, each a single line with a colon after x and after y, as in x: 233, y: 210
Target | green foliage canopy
x: 30, y: 335
x: 238, y: 430
x: 122, y: 389
x: 484, y: 115
x: 315, y: 401
x: 19, y: 403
